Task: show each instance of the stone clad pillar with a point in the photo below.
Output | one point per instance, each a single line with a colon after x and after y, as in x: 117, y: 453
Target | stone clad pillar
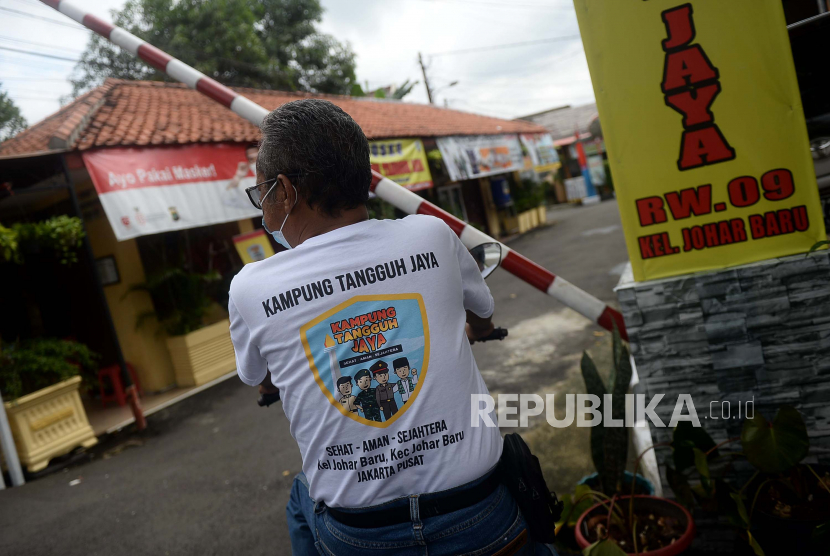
x: 754, y: 332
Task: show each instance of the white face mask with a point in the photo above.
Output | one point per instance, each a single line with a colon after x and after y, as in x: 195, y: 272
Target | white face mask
x: 278, y: 236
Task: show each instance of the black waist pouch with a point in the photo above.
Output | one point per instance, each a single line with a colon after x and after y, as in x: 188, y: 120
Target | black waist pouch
x: 520, y: 472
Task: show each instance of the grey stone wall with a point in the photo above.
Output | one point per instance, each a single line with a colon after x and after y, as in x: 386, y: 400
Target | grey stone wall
x: 757, y: 331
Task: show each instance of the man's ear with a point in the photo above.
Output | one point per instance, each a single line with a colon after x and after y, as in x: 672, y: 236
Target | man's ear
x: 289, y: 191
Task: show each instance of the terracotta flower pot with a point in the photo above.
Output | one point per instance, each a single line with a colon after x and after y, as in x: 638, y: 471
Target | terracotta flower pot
x: 653, y: 504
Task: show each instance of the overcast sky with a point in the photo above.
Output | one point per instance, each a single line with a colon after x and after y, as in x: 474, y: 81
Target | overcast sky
x: 386, y: 35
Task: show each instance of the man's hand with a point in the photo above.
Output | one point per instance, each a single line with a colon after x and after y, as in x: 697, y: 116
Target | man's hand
x: 266, y: 386
x: 478, y: 327
x: 268, y: 389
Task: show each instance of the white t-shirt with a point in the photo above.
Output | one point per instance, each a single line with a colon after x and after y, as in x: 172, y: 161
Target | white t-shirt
x: 383, y: 301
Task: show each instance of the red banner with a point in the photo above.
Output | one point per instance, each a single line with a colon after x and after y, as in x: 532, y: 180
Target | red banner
x: 158, y: 189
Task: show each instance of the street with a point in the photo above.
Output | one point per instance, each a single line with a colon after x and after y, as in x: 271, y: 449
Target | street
x: 212, y: 475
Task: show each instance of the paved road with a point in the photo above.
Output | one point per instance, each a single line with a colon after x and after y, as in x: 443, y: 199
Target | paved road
x: 213, y: 475
x: 584, y: 246
x: 209, y: 479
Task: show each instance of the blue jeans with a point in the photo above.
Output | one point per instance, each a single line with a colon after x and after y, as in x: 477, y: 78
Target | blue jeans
x: 494, y: 524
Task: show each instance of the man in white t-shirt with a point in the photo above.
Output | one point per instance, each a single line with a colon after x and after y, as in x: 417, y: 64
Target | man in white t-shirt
x: 352, y: 294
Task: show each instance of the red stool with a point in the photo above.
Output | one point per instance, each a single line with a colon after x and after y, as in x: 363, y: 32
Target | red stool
x: 114, y: 375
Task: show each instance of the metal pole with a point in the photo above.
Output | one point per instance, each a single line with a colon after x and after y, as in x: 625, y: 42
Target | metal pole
x: 126, y: 380
x: 426, y: 80
x: 807, y: 21
x: 9, y: 449
x: 399, y: 197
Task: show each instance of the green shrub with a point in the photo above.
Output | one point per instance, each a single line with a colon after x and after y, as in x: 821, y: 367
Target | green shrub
x: 181, y: 299
x: 61, y: 234
x: 30, y: 365
x: 527, y: 194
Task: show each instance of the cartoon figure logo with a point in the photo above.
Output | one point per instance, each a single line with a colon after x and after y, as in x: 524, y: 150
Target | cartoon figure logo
x: 344, y: 386
x: 357, y: 342
x: 406, y: 385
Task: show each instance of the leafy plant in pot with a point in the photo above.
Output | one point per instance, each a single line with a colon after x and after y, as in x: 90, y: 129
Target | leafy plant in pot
x: 784, y: 506
x: 609, y: 448
x: 31, y: 365
x: 634, y: 524
x: 181, y: 299
x: 40, y: 381
x: 613, y: 512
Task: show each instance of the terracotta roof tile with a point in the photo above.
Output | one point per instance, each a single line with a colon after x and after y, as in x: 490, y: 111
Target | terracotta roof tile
x: 125, y: 113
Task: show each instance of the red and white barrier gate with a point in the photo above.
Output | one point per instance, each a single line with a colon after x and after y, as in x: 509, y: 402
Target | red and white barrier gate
x: 400, y: 197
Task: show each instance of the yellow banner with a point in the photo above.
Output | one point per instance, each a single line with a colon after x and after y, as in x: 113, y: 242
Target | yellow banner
x: 403, y: 161
x: 253, y: 246
x: 541, y: 151
x: 705, y: 133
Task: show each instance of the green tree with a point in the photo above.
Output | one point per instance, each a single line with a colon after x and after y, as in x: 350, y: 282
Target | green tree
x: 11, y: 120
x: 264, y: 44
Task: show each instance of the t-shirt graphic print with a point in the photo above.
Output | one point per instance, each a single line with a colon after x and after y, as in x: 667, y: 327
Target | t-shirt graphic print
x: 369, y: 354
x: 362, y: 330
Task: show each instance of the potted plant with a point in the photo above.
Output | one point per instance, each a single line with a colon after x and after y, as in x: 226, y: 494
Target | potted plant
x: 613, y: 511
x: 629, y: 524
x: 201, y: 350
x: 528, y: 198
x: 41, y: 379
x: 626, y: 524
x: 783, y: 506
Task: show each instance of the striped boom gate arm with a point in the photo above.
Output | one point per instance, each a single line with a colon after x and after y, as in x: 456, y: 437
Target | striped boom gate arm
x: 394, y: 194
x: 520, y: 266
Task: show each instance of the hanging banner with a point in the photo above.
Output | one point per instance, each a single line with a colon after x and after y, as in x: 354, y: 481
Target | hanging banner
x: 403, y: 161
x: 705, y: 132
x: 596, y: 167
x: 151, y: 190
x: 253, y: 246
x: 542, y: 151
x: 475, y: 156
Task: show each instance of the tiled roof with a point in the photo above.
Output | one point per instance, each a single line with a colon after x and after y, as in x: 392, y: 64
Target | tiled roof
x: 131, y: 113
x: 59, y: 130
x: 564, y: 121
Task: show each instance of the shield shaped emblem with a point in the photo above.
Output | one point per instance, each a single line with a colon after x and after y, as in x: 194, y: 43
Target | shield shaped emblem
x: 370, y: 355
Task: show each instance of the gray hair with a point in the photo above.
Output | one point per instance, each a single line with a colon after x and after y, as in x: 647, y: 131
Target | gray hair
x: 321, y: 149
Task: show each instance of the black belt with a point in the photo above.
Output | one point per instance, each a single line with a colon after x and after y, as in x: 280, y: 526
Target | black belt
x: 434, y: 506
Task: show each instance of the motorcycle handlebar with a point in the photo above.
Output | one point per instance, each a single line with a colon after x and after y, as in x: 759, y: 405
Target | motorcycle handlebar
x: 496, y: 334
x: 267, y: 399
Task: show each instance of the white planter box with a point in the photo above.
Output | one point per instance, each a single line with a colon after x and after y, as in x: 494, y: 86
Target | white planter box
x: 203, y: 355
x: 48, y: 423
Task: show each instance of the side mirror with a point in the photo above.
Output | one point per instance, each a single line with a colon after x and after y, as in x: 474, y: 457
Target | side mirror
x: 488, y: 257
